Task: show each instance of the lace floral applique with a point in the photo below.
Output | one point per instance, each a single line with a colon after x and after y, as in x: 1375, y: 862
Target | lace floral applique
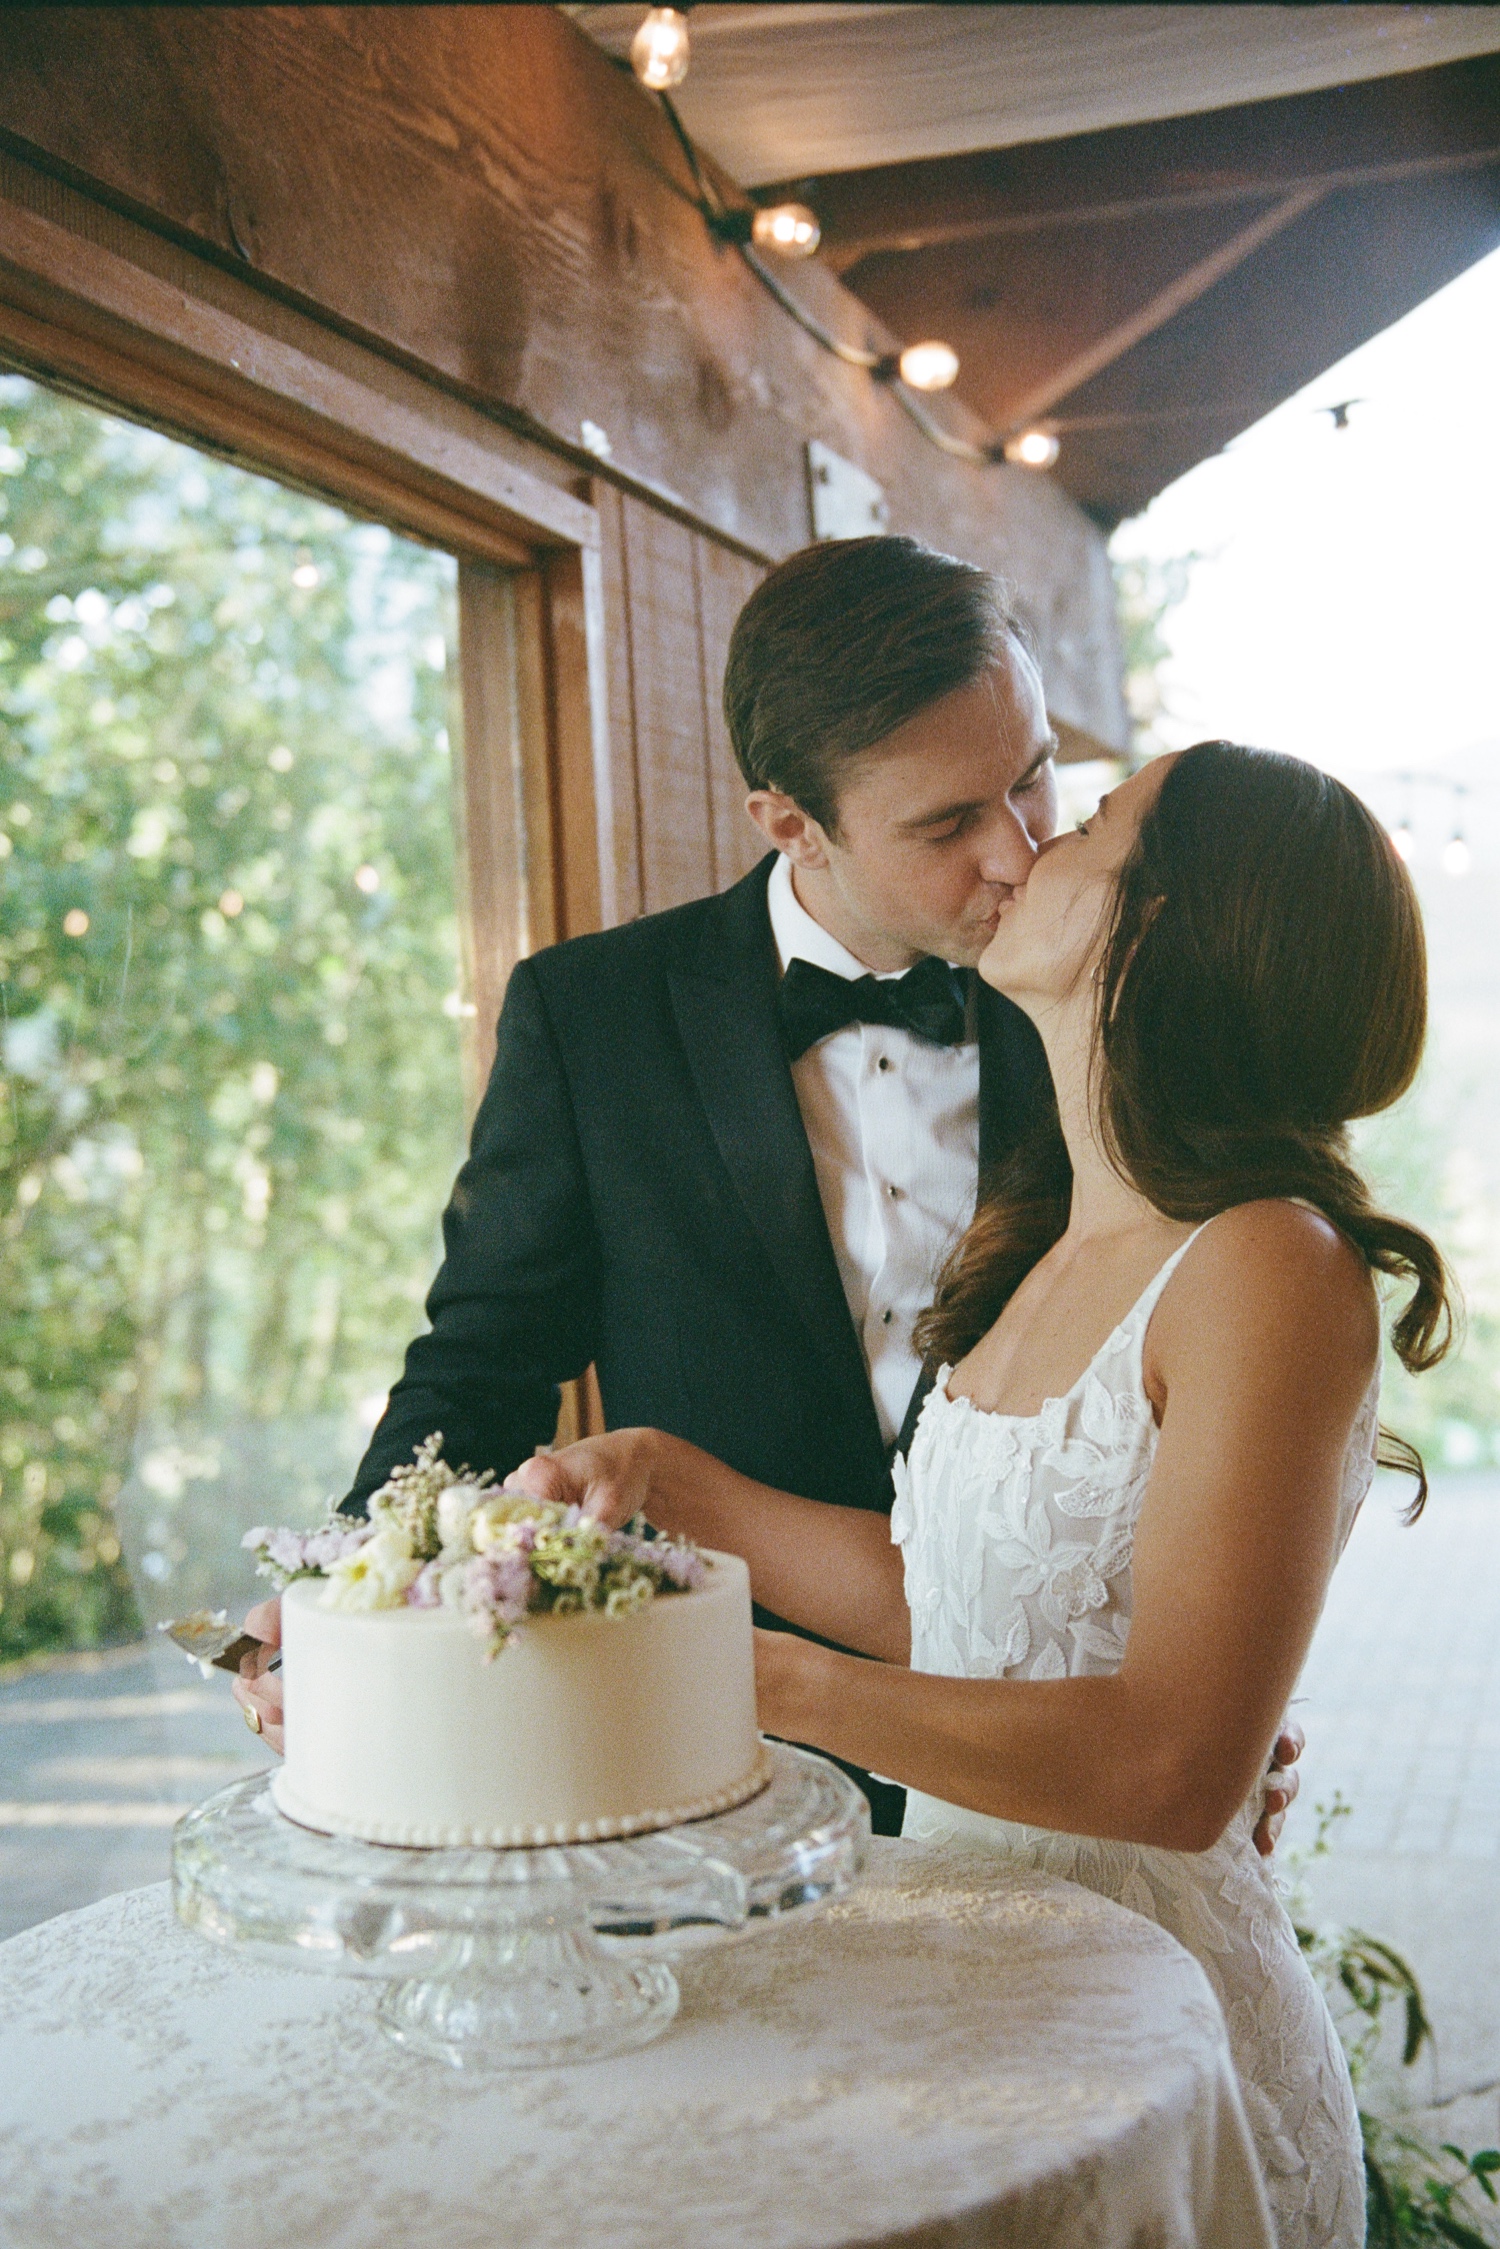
x: 1017, y: 1537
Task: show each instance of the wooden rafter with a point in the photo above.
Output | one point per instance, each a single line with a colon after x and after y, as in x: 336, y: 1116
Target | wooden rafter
x: 1387, y: 129
x: 1132, y: 287
x: 1162, y: 307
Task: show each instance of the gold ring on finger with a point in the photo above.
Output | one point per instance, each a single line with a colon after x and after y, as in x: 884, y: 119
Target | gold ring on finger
x: 252, y: 1717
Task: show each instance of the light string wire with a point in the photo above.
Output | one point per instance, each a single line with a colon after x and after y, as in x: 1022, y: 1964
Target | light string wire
x: 1457, y: 854
x: 727, y: 224
x: 731, y: 224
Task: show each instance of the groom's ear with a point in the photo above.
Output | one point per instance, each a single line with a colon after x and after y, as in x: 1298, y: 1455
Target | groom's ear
x: 788, y: 827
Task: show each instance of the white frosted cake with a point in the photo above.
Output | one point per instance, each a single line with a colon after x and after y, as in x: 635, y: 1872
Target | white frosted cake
x: 585, y: 1726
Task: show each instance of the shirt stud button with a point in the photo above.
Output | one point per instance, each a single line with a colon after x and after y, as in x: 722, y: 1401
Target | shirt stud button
x: 884, y: 1063
x: 893, y: 1191
x: 886, y: 1319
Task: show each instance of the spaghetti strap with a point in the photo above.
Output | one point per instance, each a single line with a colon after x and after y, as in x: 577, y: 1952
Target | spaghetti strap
x: 1017, y: 1538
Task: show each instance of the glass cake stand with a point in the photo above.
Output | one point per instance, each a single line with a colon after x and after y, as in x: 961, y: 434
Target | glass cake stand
x: 512, y: 1959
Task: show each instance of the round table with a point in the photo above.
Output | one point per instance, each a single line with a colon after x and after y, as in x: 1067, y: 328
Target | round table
x: 953, y: 2055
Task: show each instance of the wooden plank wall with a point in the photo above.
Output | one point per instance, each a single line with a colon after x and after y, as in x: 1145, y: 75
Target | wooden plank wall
x: 480, y: 195
x: 671, y: 598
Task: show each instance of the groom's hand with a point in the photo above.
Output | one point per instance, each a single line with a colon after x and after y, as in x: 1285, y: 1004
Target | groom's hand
x: 609, y: 1477
x: 1282, y: 1783
x: 257, y: 1690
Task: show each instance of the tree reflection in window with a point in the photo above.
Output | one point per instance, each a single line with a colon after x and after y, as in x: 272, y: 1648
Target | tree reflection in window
x: 232, y: 1099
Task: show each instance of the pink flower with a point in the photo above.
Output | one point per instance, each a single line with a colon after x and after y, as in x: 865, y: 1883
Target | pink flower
x: 682, y: 1566
x: 425, y: 1591
x: 497, y: 1586
x: 333, y: 1542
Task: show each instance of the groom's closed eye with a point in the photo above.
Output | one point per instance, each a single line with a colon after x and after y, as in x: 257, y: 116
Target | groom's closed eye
x: 951, y: 820
x: 958, y: 824
x: 1032, y: 780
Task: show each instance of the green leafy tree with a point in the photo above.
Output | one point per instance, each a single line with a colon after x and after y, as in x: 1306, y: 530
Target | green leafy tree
x: 1452, y: 1414
x: 228, y: 967
x: 1146, y: 592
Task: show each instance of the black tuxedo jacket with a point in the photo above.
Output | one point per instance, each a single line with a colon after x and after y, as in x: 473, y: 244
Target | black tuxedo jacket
x: 641, y: 1195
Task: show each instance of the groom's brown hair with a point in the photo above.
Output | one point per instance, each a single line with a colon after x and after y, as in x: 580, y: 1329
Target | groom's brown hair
x: 843, y: 643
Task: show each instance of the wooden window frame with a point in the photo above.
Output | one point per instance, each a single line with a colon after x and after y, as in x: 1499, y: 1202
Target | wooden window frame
x: 107, y: 310
x: 110, y: 311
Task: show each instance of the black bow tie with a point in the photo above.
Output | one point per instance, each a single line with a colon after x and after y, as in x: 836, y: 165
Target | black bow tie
x: 813, y: 1003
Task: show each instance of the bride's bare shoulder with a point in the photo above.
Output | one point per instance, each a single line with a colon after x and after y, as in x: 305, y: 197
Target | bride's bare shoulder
x: 1275, y: 1236
x: 1274, y: 1269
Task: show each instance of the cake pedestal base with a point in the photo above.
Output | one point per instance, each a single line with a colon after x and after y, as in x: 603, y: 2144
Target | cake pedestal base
x: 544, y: 1996
x: 522, y: 1958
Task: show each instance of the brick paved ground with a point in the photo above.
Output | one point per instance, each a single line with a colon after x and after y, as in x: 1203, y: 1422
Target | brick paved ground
x: 1403, y: 1684
x: 1401, y: 1701
x: 98, y: 1756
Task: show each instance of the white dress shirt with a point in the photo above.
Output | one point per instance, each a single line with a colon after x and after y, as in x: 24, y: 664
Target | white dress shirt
x: 893, y: 1124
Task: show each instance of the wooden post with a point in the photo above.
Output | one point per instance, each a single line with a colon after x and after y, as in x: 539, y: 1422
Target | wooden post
x: 526, y: 812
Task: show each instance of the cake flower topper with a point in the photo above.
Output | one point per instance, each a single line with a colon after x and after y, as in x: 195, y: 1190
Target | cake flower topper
x: 438, y: 1537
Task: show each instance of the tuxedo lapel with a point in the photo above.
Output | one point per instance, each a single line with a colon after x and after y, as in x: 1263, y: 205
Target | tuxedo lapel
x: 1014, y: 1085
x: 723, y: 996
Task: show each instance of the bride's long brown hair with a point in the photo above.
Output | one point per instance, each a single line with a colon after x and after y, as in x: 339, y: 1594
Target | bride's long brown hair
x: 1263, y: 981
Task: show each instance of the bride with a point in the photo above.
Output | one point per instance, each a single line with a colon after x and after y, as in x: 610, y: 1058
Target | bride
x: 1154, y: 1416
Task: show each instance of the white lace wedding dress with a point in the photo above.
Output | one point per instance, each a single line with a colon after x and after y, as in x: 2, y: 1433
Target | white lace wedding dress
x: 1016, y: 1534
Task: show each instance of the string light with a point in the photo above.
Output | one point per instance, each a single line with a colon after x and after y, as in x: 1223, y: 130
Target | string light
x: 1033, y: 449
x: 1457, y: 855
x: 929, y: 366
x: 659, y: 51
x: 788, y: 228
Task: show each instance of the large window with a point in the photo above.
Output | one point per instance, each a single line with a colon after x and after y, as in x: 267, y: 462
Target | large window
x: 229, y: 976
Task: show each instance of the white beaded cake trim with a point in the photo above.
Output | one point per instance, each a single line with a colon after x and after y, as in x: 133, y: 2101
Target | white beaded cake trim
x: 520, y: 1838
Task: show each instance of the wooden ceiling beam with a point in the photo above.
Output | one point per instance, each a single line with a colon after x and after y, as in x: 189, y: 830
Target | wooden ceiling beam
x: 1385, y: 129
x: 1351, y: 265
x: 1034, y: 318
x: 1165, y: 305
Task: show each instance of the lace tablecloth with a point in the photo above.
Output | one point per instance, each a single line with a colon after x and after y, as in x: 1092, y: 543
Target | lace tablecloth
x: 953, y: 2057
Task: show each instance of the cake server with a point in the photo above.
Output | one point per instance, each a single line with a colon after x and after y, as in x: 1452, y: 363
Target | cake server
x: 207, y: 1638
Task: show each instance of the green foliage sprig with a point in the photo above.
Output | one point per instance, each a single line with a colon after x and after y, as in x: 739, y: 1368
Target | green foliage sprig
x: 1414, y: 2192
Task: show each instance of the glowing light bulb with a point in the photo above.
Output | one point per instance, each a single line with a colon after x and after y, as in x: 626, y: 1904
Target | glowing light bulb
x: 659, y: 50
x: 929, y: 366
x: 1033, y: 449
x: 1403, y: 842
x: 1457, y: 857
x: 788, y: 228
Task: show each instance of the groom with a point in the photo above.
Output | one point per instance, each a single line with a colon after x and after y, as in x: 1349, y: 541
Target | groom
x: 724, y: 1149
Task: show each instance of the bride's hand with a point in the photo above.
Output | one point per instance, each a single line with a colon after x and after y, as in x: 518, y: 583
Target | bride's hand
x: 785, y: 1685
x: 611, y: 1478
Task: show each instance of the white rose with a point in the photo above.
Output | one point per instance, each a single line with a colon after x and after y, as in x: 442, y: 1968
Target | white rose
x: 454, y: 1508
x: 494, y: 1526
x: 375, y: 1576
x: 451, y: 1584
